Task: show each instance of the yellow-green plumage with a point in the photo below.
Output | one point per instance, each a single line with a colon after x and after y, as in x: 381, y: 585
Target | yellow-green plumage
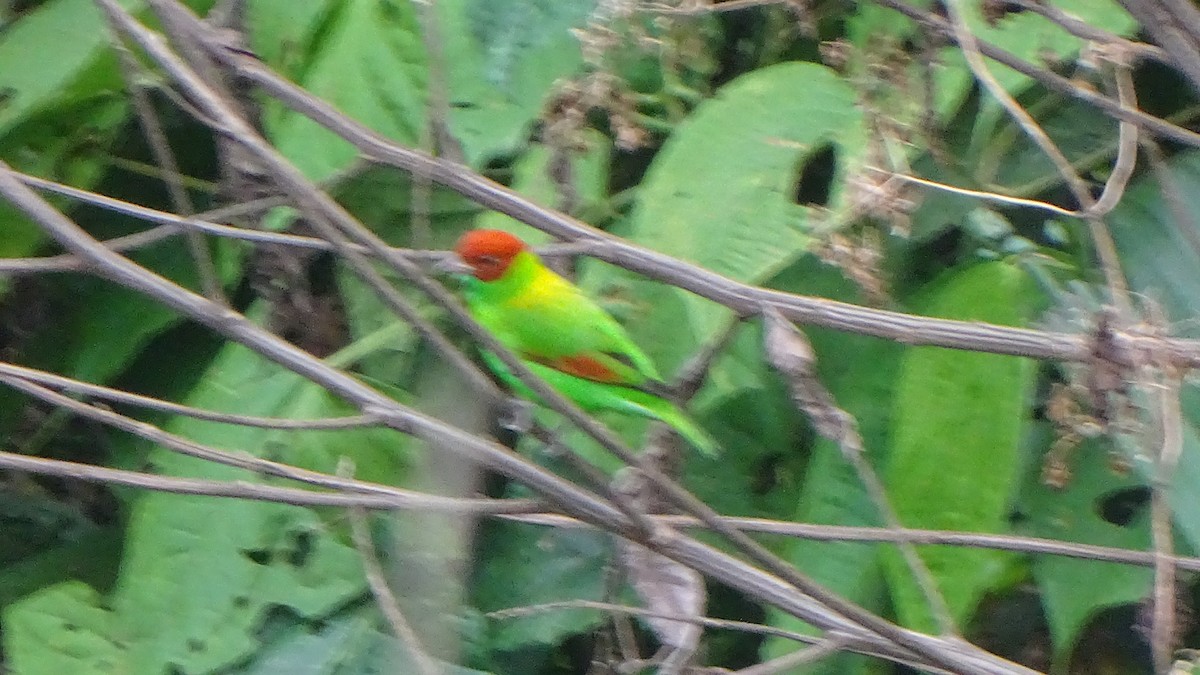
x: 563, y: 336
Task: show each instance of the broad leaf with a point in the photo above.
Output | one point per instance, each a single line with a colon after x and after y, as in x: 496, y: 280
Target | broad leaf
x: 62, y: 629
x: 368, y: 61
x: 1076, y: 514
x: 956, y: 436
x: 241, y: 557
x: 502, y: 57
x: 736, y: 216
x: 529, y: 565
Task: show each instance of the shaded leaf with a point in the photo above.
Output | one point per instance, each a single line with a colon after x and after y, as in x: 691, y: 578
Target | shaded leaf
x: 1160, y: 254
x: 369, y: 63
x: 528, y: 565
x: 955, y: 449
x: 62, y: 629
x: 349, y: 643
x: 504, y: 57
x: 1076, y: 514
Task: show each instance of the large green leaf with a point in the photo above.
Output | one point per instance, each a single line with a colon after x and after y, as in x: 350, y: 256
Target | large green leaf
x: 722, y: 194
x: 861, y: 373
x: 368, y: 61
x: 62, y: 629
x: 1075, y: 514
x: 956, y: 435
x: 502, y: 58
x: 199, y: 575
x: 528, y: 565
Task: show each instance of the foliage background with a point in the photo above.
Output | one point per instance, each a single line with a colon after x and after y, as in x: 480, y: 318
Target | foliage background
x: 766, y: 142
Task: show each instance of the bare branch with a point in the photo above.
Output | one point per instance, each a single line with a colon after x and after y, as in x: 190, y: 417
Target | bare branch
x: 361, y: 534
x: 257, y: 491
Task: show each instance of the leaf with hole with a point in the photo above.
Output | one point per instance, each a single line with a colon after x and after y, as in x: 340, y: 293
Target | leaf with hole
x: 1096, y: 507
x: 722, y: 193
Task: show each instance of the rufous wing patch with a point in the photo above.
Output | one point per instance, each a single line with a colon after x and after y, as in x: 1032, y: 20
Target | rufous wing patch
x: 586, y: 367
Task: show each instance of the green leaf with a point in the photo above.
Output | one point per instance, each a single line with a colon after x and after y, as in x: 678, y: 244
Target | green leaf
x: 284, y: 33
x: 242, y: 558
x: 503, y: 58
x: 1073, y: 515
x: 58, y: 113
x: 1029, y: 37
x: 528, y: 565
x: 91, y: 558
x: 956, y: 434
x: 369, y: 63
x: 738, y: 216
x: 82, y: 65
x: 62, y: 629
x: 861, y: 373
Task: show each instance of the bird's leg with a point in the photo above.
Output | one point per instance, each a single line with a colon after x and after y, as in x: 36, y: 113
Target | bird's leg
x: 515, y: 415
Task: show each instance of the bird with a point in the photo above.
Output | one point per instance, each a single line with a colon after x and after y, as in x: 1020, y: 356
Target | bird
x: 562, y: 335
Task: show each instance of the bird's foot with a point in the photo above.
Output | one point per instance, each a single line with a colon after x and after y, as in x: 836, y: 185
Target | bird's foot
x: 515, y: 415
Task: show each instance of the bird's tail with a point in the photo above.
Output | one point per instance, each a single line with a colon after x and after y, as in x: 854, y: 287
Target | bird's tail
x: 591, y: 395
x: 649, y: 405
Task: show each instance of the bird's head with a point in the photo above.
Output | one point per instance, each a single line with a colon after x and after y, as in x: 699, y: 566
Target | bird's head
x: 488, y: 252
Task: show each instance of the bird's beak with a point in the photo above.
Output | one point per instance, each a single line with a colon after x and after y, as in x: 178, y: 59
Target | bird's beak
x: 452, y: 264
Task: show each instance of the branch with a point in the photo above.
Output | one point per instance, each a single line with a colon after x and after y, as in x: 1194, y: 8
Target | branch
x: 743, y: 299
x: 564, y: 495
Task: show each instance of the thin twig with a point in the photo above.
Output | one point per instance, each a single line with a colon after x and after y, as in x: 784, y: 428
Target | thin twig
x: 1000, y: 542
x: 821, y: 650
x: 1127, y: 147
x: 980, y: 194
x: 160, y: 147
x: 847, y: 642
x: 258, y: 491
x: 1105, y: 247
x: 151, y: 403
x: 631, y: 610
x: 1163, y: 624
x: 386, y: 600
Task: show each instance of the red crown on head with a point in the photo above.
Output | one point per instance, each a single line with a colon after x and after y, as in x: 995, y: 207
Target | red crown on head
x: 488, y: 252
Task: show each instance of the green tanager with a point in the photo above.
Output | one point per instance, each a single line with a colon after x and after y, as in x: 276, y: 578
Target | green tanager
x: 562, y: 335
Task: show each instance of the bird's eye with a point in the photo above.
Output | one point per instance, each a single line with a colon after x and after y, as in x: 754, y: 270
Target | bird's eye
x: 489, y: 259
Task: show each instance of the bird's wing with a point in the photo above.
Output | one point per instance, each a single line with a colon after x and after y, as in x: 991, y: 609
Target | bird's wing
x: 594, y: 346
